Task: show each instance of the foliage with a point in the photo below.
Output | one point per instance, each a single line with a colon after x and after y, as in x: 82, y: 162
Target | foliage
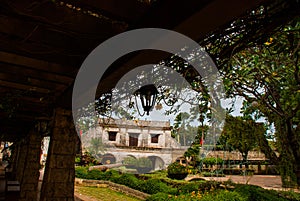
x: 77, y: 160
x: 143, y: 162
x: 152, y: 186
x: 87, y: 159
x: 81, y: 172
x: 224, y: 195
x: 192, y: 153
x: 212, y: 174
x: 129, y: 180
x: 176, y: 169
x: 290, y: 195
x: 255, y: 193
x: 159, y: 197
x: 210, y: 161
x: 241, y: 134
x: 130, y: 161
x: 239, y: 193
x: 267, y: 76
x: 190, y: 191
x: 94, y: 174
x: 96, y: 146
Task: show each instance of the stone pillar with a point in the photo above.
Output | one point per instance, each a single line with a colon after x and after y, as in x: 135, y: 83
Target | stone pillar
x: 59, y: 176
x: 30, y: 176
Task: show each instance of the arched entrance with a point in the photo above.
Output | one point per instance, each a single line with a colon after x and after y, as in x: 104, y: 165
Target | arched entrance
x: 108, y: 159
x: 157, y: 162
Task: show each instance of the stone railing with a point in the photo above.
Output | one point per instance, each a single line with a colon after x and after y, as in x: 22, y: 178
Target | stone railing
x: 114, y: 186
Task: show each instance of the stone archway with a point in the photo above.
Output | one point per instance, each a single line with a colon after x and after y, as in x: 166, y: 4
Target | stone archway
x: 108, y: 159
x: 157, y: 162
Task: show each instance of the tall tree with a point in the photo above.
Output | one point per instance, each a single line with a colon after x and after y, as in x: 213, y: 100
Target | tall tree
x: 241, y: 134
x: 267, y: 76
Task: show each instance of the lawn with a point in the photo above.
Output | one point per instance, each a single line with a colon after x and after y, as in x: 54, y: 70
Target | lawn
x: 103, y: 194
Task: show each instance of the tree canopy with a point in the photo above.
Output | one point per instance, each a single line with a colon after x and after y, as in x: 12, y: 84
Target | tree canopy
x: 267, y: 76
x: 241, y: 134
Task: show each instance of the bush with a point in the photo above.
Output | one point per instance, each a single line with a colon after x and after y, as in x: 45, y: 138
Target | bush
x: 224, y: 195
x: 256, y: 193
x: 189, y: 187
x: 129, y: 180
x: 153, y: 186
x: 198, y: 186
x: 212, y: 174
x: 109, y: 174
x: 290, y: 195
x: 158, y: 197
x: 177, y: 171
x: 81, y: 172
x: 94, y: 174
x: 210, y: 161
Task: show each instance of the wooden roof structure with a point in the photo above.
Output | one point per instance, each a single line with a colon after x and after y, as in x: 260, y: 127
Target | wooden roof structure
x: 43, y: 44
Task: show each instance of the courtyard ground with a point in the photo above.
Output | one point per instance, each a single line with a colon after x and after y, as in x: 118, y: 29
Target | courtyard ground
x: 265, y: 181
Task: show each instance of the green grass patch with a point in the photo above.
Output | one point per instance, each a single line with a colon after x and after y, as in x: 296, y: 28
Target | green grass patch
x: 103, y: 194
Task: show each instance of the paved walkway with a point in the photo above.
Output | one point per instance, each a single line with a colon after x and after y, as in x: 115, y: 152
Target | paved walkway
x: 264, y: 181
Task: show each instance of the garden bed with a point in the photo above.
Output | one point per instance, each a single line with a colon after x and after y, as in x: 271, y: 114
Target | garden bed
x: 160, y: 187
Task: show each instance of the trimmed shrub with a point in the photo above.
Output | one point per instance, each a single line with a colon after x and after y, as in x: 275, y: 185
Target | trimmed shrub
x: 212, y: 174
x: 108, y: 174
x: 94, y: 174
x: 189, y: 187
x: 153, y: 186
x: 158, y: 197
x: 224, y: 195
x: 177, y: 171
x: 256, y: 193
x: 210, y: 161
x: 290, y: 195
x: 129, y: 180
x: 198, y: 186
x: 81, y: 172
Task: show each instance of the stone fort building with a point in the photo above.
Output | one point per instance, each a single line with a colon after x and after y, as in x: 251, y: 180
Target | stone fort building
x: 135, y: 138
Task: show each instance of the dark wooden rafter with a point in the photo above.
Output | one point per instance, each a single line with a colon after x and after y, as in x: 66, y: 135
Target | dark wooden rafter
x: 212, y: 11
x: 43, y: 43
x: 128, y: 11
x: 61, y: 18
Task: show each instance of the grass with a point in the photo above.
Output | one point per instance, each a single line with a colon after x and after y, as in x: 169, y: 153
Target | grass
x: 103, y: 194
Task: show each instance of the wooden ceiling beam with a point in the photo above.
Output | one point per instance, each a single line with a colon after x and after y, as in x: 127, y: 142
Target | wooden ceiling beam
x: 37, y: 64
x: 62, y: 17
x: 35, y: 74
x: 43, y: 52
x: 129, y: 10
x: 33, y: 82
x: 14, y: 85
x: 32, y: 32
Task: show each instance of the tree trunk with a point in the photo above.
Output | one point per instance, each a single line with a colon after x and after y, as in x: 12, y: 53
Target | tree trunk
x: 289, y: 153
x: 245, y: 157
